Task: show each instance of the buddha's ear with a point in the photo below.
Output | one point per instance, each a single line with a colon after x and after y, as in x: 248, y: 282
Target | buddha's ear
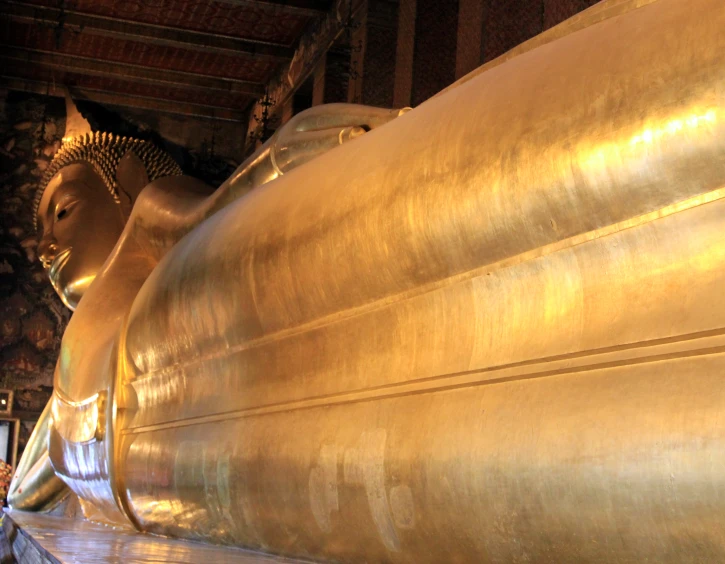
x: 132, y: 178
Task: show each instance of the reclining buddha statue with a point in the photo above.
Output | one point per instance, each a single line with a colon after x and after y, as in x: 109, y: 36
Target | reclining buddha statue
x: 489, y: 329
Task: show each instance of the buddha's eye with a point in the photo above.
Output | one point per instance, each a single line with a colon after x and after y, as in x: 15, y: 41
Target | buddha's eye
x: 64, y: 208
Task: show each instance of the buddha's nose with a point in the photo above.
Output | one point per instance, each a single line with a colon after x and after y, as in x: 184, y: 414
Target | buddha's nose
x: 47, y: 250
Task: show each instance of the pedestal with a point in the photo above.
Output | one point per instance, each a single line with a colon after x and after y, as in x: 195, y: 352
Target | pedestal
x: 37, y: 538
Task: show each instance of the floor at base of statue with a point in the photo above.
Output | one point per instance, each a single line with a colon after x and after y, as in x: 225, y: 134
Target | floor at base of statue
x: 39, y: 539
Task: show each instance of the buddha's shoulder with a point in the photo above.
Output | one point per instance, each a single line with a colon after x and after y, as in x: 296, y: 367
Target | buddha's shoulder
x: 171, y: 192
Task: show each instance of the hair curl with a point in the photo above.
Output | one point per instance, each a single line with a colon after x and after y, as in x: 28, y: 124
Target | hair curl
x: 103, y: 151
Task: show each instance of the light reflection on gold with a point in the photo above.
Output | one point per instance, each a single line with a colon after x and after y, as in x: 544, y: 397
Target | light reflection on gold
x: 675, y: 126
x: 76, y: 421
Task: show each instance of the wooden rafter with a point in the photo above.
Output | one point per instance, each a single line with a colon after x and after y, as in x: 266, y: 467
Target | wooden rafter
x: 302, y: 7
x: 110, y: 69
x: 136, y: 31
x: 125, y: 100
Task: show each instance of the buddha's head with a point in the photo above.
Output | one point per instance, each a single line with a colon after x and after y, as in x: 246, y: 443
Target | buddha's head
x: 84, y: 201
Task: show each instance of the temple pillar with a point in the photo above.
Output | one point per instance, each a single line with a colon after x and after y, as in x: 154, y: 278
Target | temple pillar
x: 403, y: 84
x: 288, y: 110
x: 434, y: 60
x: 318, y: 83
x: 469, y: 37
x: 330, y: 80
x: 373, y: 55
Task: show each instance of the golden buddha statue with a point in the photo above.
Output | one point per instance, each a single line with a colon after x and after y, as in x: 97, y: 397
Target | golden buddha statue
x: 82, y: 207
x: 486, y: 331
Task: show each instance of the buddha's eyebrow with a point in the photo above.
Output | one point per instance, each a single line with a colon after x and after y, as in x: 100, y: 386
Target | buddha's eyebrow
x: 68, y: 194
x: 62, y: 194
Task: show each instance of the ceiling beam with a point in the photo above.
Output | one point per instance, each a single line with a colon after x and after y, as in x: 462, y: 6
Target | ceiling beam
x: 302, y: 7
x: 136, y: 31
x: 124, y: 100
x: 136, y: 73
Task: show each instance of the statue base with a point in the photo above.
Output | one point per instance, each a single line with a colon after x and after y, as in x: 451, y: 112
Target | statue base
x: 39, y: 538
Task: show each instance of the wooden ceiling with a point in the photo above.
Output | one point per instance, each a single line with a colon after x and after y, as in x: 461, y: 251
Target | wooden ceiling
x: 191, y: 57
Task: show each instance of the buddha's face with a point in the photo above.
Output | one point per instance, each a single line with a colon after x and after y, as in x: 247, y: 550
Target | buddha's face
x: 80, y: 224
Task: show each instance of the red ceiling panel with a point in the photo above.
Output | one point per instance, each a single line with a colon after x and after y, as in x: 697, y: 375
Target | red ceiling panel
x: 262, y: 23
x: 242, y: 67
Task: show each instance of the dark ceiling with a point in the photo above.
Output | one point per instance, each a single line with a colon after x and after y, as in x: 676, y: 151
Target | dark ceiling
x: 191, y: 57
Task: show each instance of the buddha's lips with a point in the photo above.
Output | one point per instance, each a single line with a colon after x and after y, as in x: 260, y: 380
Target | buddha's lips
x: 58, y: 263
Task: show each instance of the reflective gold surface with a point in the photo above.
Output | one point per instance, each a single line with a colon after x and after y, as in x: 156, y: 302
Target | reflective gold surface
x: 491, y: 330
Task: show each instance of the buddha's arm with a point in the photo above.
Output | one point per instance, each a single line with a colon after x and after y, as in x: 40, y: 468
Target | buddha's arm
x: 307, y: 135
x: 172, y: 206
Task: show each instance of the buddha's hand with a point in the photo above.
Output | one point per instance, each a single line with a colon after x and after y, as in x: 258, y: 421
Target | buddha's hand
x: 317, y: 130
